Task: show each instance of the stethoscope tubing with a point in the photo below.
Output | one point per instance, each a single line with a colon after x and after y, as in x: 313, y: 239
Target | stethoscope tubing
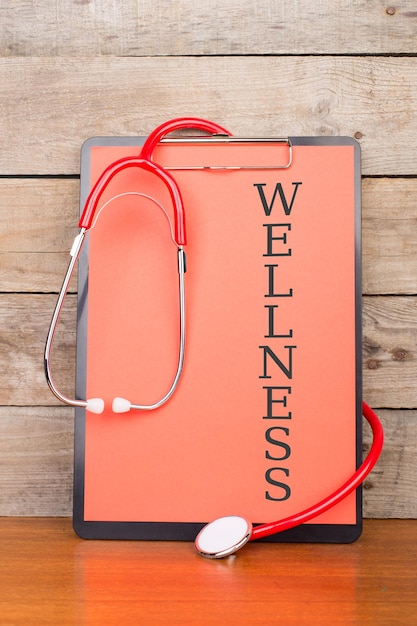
x: 226, y: 535
x: 265, y: 530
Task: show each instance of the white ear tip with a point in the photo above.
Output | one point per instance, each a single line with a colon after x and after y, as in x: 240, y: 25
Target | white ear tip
x: 120, y: 405
x: 95, y: 405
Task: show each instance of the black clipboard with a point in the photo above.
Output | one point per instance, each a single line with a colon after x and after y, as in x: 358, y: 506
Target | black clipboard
x: 317, y: 180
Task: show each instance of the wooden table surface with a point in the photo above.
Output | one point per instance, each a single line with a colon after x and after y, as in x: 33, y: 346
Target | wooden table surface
x: 50, y: 576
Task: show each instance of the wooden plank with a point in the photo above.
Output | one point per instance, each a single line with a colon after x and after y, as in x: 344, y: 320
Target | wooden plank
x: 389, y: 351
x: 48, y: 112
x: 36, y: 460
x: 38, y: 215
x: 389, y: 231
x: 37, y: 229
x: 389, y: 347
x: 391, y: 488
x: 161, y: 27
x: 24, y: 326
x: 33, y: 271
x: 36, y: 456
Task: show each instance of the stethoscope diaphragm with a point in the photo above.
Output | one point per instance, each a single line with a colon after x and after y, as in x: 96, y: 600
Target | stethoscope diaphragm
x: 223, y: 537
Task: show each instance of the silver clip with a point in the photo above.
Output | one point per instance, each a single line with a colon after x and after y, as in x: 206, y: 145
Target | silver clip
x: 218, y: 139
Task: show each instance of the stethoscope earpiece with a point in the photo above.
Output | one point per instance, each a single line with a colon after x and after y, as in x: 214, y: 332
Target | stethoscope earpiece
x: 95, y: 405
x: 121, y: 405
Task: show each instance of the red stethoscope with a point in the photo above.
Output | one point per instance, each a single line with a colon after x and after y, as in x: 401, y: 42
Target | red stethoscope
x: 228, y: 534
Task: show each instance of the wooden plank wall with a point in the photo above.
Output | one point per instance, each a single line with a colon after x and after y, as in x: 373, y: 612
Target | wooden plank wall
x: 74, y: 69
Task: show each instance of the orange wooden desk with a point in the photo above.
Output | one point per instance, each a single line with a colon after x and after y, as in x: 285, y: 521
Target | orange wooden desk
x: 49, y: 576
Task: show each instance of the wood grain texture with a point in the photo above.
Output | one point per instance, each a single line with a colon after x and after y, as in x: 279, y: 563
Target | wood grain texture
x: 389, y: 348
x: 36, y: 463
x: 24, y: 326
x: 389, y: 236
x: 51, y: 105
x: 163, y: 28
x: 49, y: 576
x: 391, y: 488
x: 37, y: 229
x: 36, y: 460
x: 389, y: 351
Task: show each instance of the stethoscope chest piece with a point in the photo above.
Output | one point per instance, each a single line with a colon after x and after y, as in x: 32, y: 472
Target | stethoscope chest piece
x: 223, y: 537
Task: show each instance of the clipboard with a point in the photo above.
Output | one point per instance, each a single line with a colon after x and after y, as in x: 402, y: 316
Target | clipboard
x: 267, y: 418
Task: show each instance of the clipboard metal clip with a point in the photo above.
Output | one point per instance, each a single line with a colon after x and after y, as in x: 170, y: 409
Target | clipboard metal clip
x: 220, y: 139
